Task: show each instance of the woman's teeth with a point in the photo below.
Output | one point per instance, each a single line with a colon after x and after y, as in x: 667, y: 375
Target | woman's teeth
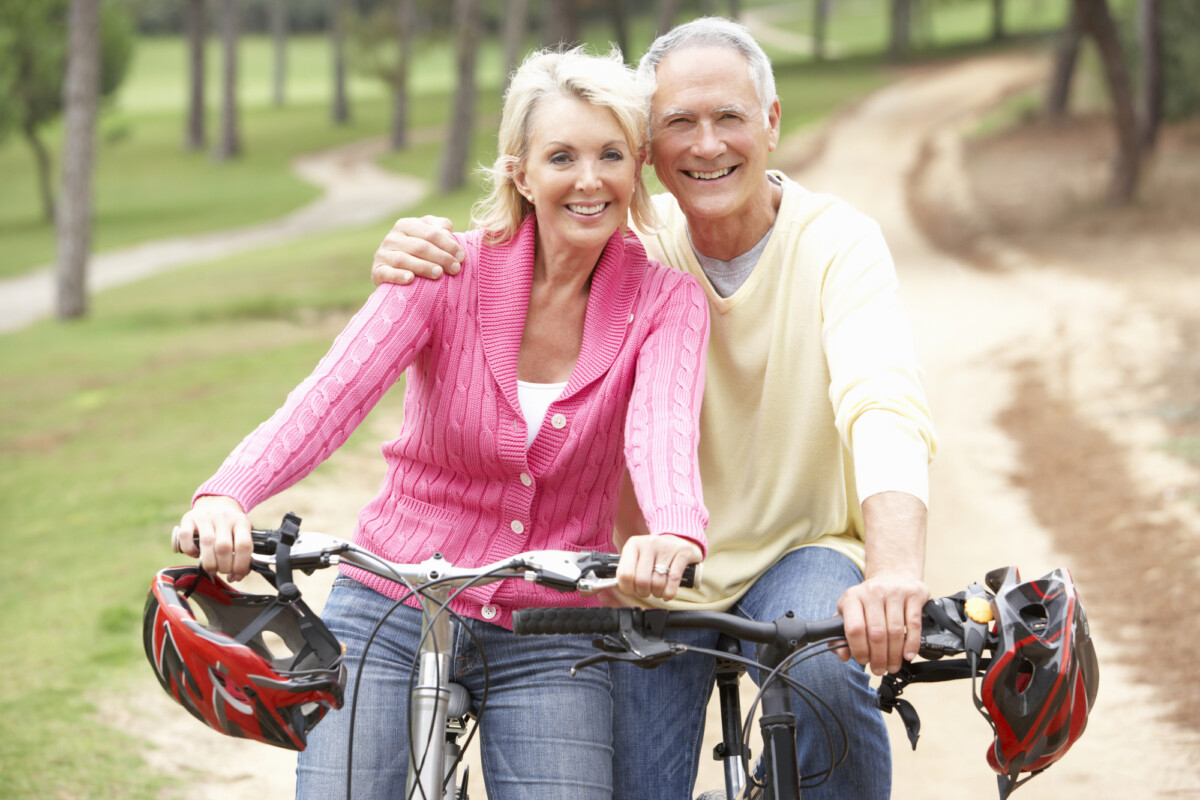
x: 587, y: 210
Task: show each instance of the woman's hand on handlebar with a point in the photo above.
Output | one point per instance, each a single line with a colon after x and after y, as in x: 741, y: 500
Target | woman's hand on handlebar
x: 223, y: 529
x: 636, y: 573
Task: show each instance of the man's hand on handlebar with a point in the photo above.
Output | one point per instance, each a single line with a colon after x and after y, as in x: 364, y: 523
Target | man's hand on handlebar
x: 883, y: 620
x: 223, y: 529
x: 417, y: 247
x: 652, y: 565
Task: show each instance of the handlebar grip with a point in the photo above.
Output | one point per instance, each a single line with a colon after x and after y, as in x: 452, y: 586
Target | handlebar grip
x: 264, y: 541
x: 566, y: 620
x: 606, y: 567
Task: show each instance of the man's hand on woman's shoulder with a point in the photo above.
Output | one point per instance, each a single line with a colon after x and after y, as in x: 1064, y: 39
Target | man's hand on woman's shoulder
x: 421, y: 248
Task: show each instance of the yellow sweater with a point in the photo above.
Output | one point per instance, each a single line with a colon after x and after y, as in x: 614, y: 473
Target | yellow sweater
x: 813, y: 395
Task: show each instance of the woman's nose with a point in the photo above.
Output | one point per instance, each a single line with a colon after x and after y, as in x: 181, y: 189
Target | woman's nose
x: 588, y: 180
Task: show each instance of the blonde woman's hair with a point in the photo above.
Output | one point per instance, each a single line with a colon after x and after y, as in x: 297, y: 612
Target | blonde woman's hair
x: 603, y: 81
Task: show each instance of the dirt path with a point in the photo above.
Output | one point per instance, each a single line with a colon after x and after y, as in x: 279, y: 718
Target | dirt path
x: 975, y: 329
x: 356, y: 192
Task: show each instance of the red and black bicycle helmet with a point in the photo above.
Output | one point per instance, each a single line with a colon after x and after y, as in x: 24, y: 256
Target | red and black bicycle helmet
x: 208, y: 644
x: 1042, y: 680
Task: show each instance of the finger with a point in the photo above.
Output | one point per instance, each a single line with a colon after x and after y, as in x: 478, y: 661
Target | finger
x: 243, y: 548
x: 675, y: 574
x: 856, y: 629
x: 223, y: 546
x: 185, y: 537
x: 896, y: 624
x: 208, y: 538
x: 627, y: 567
x: 877, y: 636
x: 912, y: 640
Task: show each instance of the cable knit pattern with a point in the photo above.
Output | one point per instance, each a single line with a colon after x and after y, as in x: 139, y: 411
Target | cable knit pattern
x: 457, y: 472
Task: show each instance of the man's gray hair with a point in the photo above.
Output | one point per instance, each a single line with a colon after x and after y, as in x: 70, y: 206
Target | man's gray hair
x: 713, y: 32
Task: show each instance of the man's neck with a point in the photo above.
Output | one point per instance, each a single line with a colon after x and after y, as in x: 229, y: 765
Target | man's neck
x: 725, y: 238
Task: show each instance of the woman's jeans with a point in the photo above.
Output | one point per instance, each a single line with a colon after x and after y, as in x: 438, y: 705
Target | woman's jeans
x: 544, y: 735
x: 659, y: 713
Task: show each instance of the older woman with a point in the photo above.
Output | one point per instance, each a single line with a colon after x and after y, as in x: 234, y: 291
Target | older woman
x: 561, y: 356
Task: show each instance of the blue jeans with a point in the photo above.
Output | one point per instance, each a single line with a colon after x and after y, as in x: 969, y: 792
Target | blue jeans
x: 658, y: 723
x: 544, y: 735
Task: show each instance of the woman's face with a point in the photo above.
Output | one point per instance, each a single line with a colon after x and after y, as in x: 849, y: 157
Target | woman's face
x: 579, y: 173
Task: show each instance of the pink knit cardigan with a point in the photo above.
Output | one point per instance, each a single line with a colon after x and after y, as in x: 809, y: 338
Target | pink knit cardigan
x: 460, y: 480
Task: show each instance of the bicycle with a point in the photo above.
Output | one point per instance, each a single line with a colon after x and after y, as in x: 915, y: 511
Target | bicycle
x: 440, y: 709
x: 955, y: 625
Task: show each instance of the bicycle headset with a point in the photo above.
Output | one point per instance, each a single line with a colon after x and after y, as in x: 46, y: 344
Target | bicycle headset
x: 220, y: 667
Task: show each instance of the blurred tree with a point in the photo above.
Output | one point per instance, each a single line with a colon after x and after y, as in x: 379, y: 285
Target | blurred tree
x: 279, y: 35
x: 1179, y: 25
x: 620, y: 20
x: 1066, y: 54
x: 666, y: 16
x: 998, y: 32
x: 561, y: 23
x: 405, y: 12
x: 1096, y: 21
x: 33, y: 53
x: 196, y: 27
x: 1150, y: 99
x: 900, y: 36
x: 229, y: 144
x: 81, y: 95
x: 820, y: 20
x: 338, y: 10
x: 515, y: 25
x: 462, y: 114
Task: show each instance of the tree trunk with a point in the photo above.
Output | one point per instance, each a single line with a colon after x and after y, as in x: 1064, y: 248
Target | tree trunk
x: 196, y: 25
x: 820, y: 18
x: 279, y: 32
x: 337, y: 35
x: 901, y: 29
x: 562, y: 23
x: 44, y: 168
x: 997, y: 20
x: 515, y: 27
x: 735, y: 9
x: 666, y: 16
x: 404, y: 25
x: 1151, y: 96
x: 620, y: 20
x: 81, y: 91
x: 1096, y: 20
x: 230, y: 144
x: 1066, y: 55
x: 458, y: 148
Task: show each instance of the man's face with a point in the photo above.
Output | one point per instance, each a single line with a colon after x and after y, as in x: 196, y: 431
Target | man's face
x: 709, y: 136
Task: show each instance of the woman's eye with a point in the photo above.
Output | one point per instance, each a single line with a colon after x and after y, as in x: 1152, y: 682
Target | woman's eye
x: 559, y: 158
x: 614, y: 155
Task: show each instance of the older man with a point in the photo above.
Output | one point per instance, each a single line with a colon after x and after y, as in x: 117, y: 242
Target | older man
x: 815, y: 434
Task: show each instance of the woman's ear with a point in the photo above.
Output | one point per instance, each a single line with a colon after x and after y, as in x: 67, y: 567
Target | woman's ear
x: 518, y: 179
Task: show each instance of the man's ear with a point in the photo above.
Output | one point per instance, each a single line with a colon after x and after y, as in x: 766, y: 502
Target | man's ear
x: 773, y: 117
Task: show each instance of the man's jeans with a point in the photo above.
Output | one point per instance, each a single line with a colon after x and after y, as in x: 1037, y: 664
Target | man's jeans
x: 544, y: 735
x: 659, y: 713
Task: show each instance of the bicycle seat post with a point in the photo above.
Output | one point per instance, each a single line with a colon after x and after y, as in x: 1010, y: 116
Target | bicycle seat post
x: 431, y: 698
x: 729, y: 751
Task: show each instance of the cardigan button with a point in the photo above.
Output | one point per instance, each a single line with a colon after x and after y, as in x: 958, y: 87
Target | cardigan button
x: 489, y: 612
x: 517, y: 527
x: 558, y: 421
x: 525, y: 479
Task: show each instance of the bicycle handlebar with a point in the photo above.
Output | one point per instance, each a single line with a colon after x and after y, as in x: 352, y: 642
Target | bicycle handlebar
x: 564, y: 570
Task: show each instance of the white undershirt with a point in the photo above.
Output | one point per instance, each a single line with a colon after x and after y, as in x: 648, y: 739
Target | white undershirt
x: 535, y: 398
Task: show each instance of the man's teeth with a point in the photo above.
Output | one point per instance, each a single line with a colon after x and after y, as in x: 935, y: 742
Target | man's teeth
x: 711, y: 176
x: 589, y: 210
